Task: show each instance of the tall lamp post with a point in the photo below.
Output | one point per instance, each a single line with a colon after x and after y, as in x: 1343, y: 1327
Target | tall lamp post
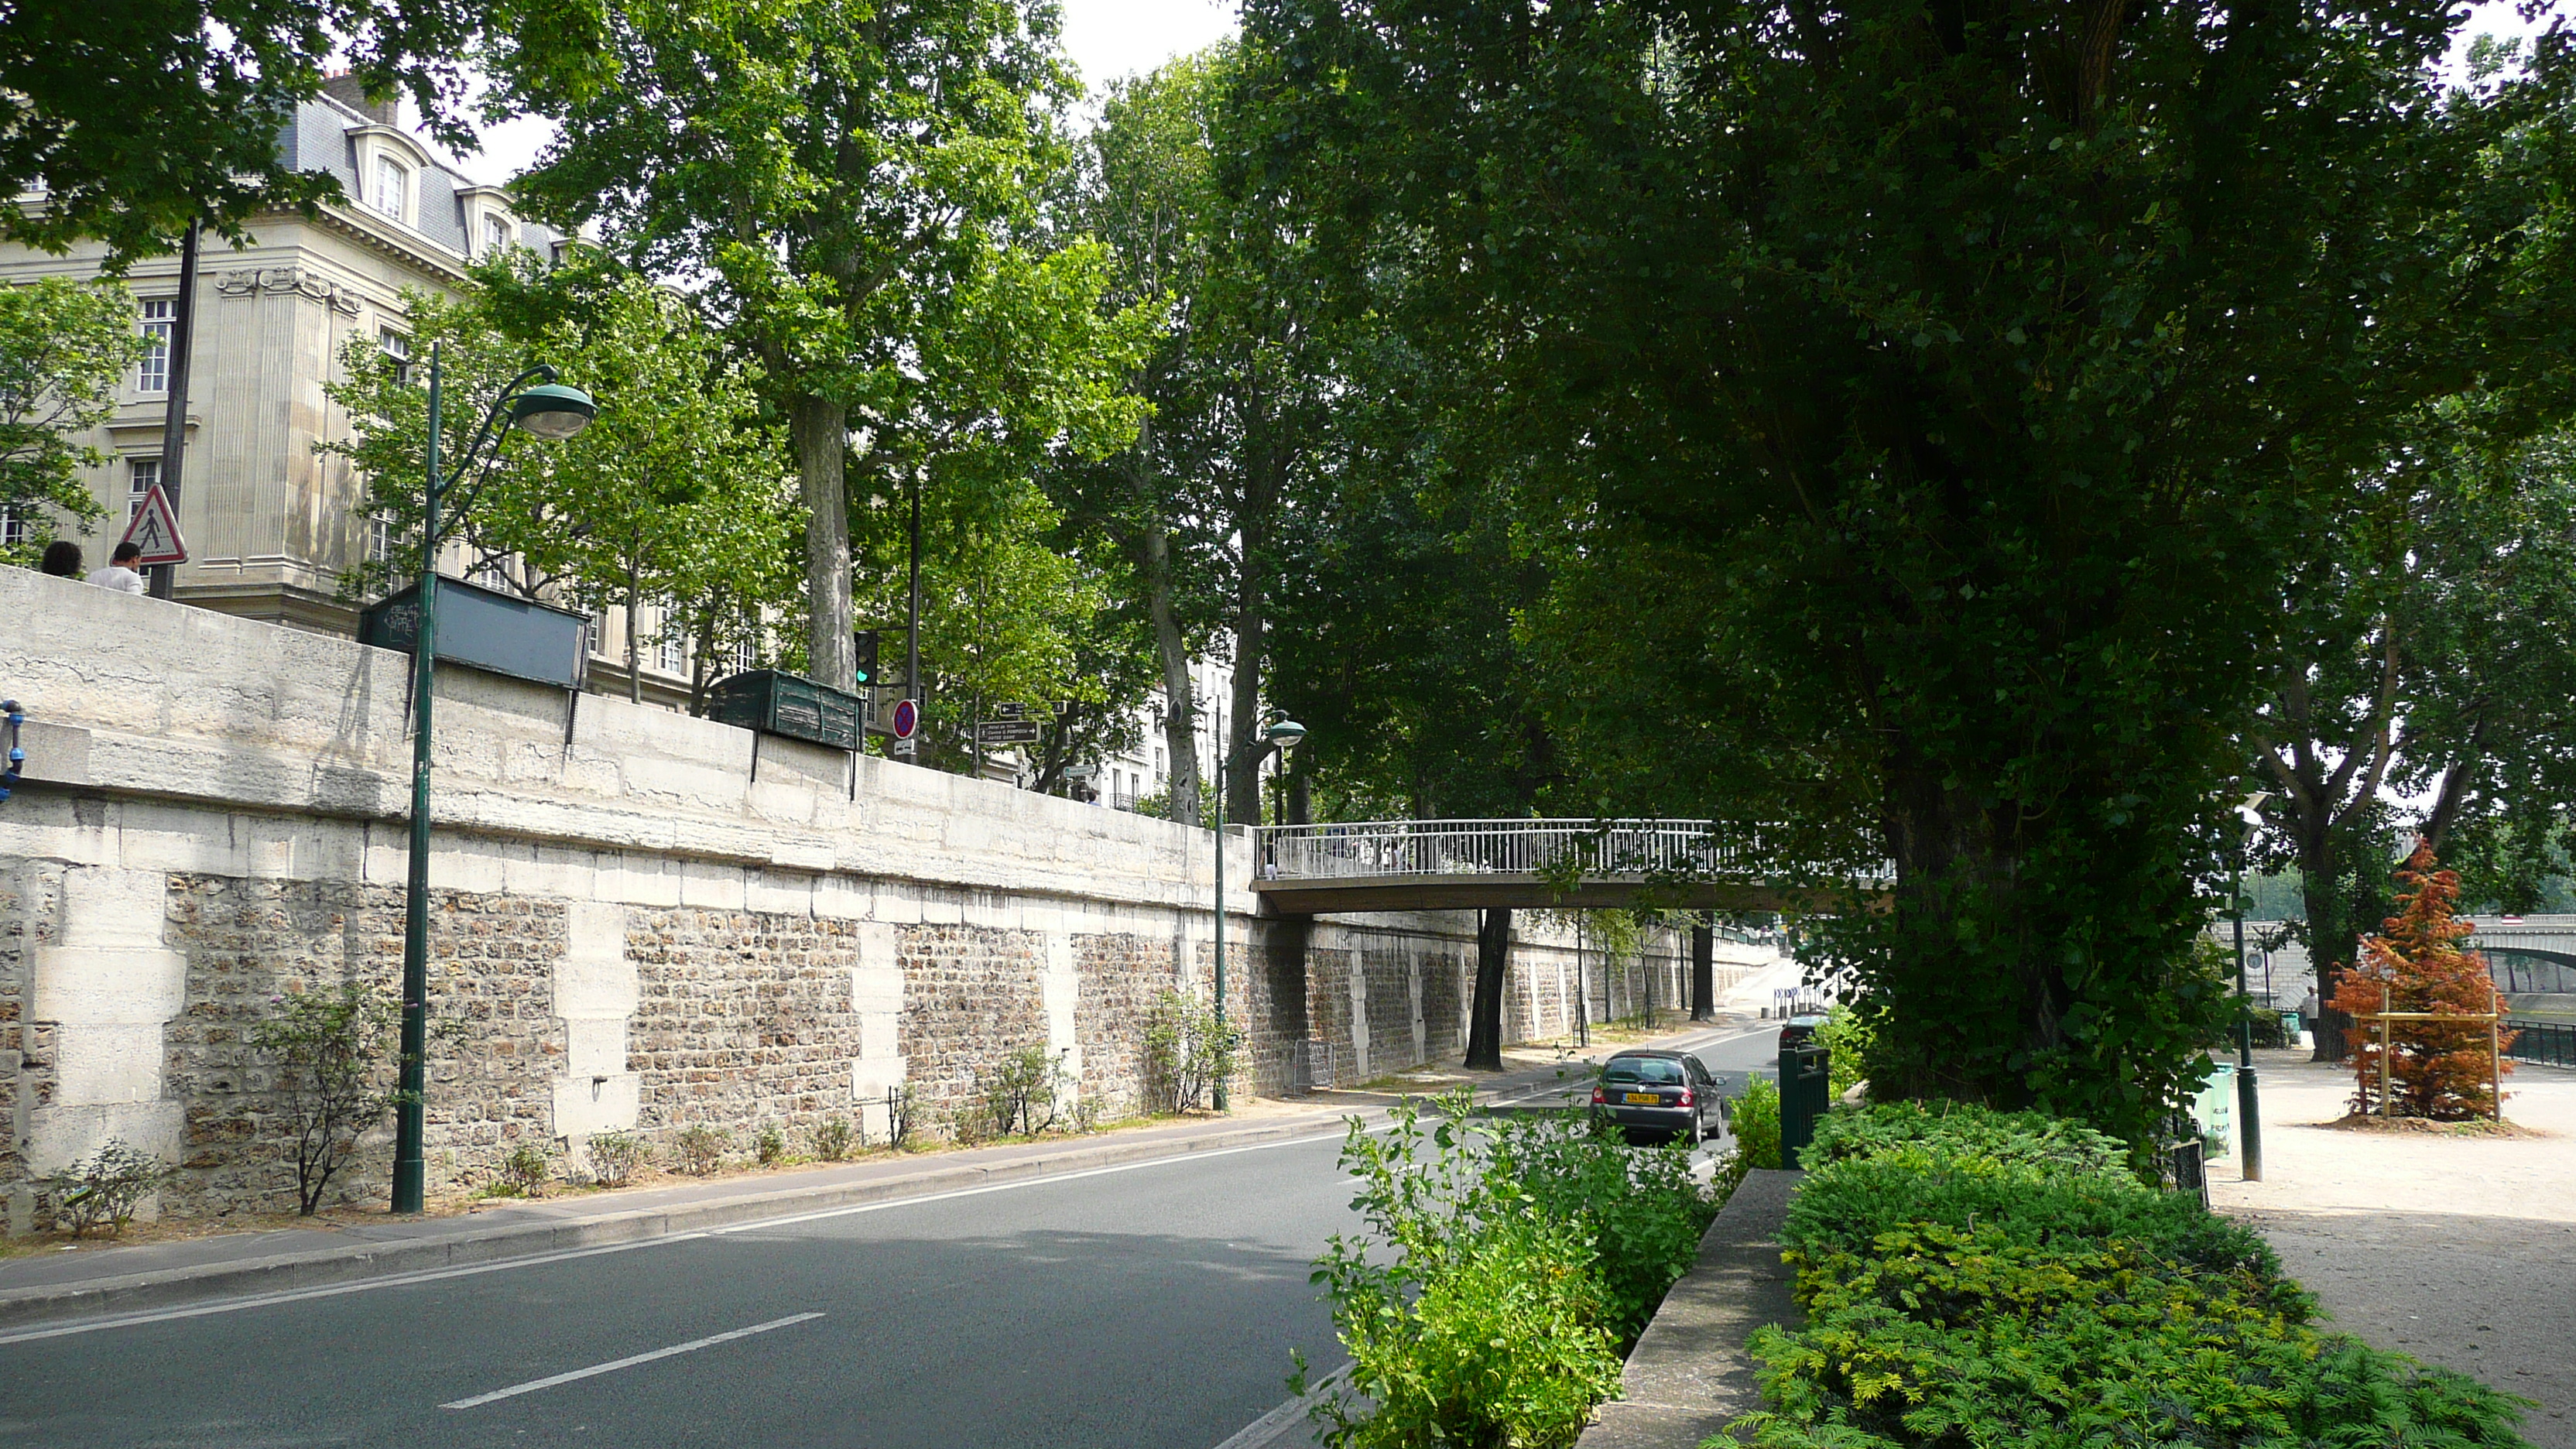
x: 1282, y: 735
x: 2249, y: 1110
x: 535, y: 402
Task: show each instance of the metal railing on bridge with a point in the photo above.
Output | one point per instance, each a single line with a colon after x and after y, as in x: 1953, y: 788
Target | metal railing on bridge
x: 1501, y: 847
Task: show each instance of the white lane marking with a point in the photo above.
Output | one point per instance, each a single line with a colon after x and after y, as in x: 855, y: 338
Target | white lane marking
x: 298, y: 1295
x: 1266, y: 1431
x: 432, y: 1275
x: 692, y: 1346
x: 878, y: 1207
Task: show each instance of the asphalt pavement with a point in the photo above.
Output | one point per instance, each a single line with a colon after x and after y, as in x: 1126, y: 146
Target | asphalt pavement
x: 1142, y: 1304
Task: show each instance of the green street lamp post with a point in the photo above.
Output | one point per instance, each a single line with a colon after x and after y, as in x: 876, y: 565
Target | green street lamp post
x: 1282, y: 735
x: 2249, y: 1107
x: 535, y: 402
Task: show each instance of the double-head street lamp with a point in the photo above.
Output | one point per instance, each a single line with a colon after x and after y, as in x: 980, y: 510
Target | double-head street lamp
x: 534, y: 402
x: 1281, y: 735
x: 2248, y: 1106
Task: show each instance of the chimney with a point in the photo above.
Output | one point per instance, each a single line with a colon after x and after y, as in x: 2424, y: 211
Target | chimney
x: 348, y: 91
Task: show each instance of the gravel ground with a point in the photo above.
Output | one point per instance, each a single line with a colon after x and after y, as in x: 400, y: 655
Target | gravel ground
x: 2458, y: 1250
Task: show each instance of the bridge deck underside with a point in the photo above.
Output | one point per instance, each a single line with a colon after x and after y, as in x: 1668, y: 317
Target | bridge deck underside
x: 1480, y: 891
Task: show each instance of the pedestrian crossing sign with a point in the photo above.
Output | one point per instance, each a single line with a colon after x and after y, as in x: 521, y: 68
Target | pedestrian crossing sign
x: 155, y: 530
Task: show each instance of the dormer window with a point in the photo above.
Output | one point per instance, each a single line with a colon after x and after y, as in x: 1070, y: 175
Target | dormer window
x: 496, y: 233
x: 392, y: 188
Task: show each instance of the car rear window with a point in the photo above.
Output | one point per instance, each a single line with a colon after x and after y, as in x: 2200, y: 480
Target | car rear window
x: 1656, y: 1071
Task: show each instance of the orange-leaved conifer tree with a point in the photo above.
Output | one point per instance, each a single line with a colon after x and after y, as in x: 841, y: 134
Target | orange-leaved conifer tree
x: 2437, y: 1069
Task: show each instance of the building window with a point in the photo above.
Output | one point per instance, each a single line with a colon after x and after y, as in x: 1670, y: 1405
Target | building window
x: 672, y: 654
x: 140, y: 476
x: 398, y: 347
x: 496, y: 234
x: 13, y: 528
x: 158, y: 316
x: 1158, y: 762
x: 380, y: 537
x: 393, y: 185
x: 745, y: 657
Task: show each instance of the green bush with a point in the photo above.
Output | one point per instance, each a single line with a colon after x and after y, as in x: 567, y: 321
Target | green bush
x: 1846, y: 1035
x: 1500, y: 1277
x: 1755, y: 1119
x: 832, y: 1138
x: 1975, y: 1277
x: 614, y: 1156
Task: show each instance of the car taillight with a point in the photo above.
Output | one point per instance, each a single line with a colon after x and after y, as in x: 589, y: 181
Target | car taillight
x: 1599, y: 1097
x: 1686, y: 1096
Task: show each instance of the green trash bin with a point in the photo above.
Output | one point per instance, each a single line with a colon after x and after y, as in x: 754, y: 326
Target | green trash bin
x: 1806, y: 1093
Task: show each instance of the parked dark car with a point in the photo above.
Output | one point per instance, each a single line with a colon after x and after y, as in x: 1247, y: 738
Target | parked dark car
x: 1657, y: 1094
x: 1799, y: 1031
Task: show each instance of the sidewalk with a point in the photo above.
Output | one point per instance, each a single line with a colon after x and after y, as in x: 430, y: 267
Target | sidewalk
x: 2458, y: 1250
x: 43, y: 1286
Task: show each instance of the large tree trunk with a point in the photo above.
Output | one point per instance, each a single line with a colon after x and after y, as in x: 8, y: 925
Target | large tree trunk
x: 634, y: 647
x: 818, y: 429
x: 1703, y: 987
x: 1958, y: 880
x: 1485, y: 1015
x: 1181, y: 708
x: 1242, y: 783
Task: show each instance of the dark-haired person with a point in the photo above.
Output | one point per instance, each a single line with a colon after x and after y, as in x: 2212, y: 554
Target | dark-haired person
x: 62, y: 559
x: 124, y: 571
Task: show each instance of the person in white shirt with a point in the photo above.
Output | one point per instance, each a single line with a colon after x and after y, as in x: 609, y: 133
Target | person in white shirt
x: 123, y: 572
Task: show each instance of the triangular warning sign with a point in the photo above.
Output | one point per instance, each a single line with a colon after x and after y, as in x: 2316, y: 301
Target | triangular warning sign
x: 155, y: 530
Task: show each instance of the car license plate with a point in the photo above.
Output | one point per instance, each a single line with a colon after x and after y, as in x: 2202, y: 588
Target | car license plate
x: 1649, y: 1099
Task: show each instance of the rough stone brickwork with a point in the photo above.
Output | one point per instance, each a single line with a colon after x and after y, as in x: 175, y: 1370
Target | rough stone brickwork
x: 248, y: 942
x: 971, y: 997
x: 743, y: 1019
x: 1123, y: 976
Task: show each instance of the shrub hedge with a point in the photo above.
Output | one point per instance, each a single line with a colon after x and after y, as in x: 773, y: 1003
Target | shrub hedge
x: 1984, y: 1278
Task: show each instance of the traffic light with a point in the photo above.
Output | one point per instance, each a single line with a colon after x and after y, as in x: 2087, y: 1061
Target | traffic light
x: 864, y: 649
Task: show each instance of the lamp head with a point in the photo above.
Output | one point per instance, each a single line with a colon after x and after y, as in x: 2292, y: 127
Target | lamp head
x: 552, y: 411
x: 1285, y: 734
x: 2250, y: 809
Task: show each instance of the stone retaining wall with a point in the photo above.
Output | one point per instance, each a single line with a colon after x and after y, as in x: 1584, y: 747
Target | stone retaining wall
x: 629, y: 931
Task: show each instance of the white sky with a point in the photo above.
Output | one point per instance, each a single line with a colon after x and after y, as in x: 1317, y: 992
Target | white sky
x: 1109, y: 39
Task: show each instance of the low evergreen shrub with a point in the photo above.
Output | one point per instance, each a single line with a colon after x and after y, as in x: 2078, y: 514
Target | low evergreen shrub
x: 1984, y: 1278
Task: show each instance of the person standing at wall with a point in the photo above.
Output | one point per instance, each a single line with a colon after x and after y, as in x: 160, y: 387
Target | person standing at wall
x: 62, y: 559
x: 124, y: 571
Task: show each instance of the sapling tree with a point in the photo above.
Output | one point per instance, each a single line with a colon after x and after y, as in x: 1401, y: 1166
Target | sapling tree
x: 333, y: 1053
x: 63, y: 348
x: 2443, y: 1070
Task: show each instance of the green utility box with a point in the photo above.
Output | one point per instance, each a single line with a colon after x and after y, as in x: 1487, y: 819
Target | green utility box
x: 1806, y: 1094
x: 489, y: 630
x: 778, y: 703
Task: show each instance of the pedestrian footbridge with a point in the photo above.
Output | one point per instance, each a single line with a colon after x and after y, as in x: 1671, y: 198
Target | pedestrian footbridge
x: 1423, y: 865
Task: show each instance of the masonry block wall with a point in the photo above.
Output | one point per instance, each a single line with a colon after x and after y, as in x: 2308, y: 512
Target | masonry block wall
x: 628, y: 932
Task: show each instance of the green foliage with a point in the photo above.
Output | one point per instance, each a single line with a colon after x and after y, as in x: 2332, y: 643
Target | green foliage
x: 104, y: 1188
x: 525, y: 1171
x: 1019, y: 1095
x: 1187, y: 1052
x: 701, y: 1148
x: 64, y: 349
x: 1754, y: 1117
x: 1498, y: 1282
x: 1959, y: 546
x: 677, y: 492
x: 1988, y: 1278
x: 832, y: 1138
x: 137, y: 120
x: 332, y: 1053
x: 614, y: 1157
x: 769, y: 1145
x: 1848, y: 1034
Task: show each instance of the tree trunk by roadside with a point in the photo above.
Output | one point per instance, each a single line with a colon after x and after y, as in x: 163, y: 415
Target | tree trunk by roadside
x: 817, y: 429
x: 1180, y: 705
x: 1485, y: 1019
x: 634, y: 648
x: 1703, y: 990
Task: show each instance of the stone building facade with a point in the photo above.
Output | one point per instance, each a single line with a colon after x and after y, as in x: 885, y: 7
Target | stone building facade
x: 630, y: 930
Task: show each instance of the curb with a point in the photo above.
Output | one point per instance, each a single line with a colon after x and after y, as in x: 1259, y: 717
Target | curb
x: 290, y: 1272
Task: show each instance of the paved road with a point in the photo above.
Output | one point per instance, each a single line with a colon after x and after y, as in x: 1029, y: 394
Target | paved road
x: 1144, y: 1305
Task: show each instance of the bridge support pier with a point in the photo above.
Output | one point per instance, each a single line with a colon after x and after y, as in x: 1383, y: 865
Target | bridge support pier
x: 1703, y: 985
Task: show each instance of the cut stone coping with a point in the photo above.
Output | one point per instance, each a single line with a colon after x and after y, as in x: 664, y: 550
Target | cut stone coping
x: 1689, y: 1375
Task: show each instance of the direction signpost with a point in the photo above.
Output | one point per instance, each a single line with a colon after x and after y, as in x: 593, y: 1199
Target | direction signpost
x: 1007, y: 732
